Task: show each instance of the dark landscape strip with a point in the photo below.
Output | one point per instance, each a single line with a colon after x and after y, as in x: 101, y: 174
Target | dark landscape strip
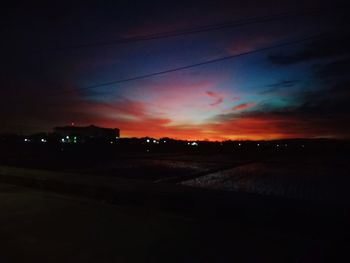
x: 181, y: 178
x: 242, y: 208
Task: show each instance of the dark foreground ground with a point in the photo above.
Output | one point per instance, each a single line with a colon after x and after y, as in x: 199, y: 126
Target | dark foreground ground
x: 38, y: 226
x: 174, y: 207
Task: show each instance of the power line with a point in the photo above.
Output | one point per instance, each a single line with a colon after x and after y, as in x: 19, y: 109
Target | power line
x: 284, y: 44
x: 195, y: 30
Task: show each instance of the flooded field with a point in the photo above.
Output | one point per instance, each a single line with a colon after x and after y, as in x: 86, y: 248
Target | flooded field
x: 305, y: 175
x: 324, y: 181
x: 150, y: 167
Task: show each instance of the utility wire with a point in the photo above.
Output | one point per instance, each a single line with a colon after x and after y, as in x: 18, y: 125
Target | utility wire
x: 195, y: 30
x: 284, y: 44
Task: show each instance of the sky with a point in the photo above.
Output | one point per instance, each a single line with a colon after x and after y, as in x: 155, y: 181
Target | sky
x: 56, y: 58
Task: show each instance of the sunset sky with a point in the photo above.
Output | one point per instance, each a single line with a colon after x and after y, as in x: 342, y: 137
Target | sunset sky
x: 53, y: 54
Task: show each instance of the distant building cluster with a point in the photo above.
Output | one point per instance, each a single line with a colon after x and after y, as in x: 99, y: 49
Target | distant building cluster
x: 69, y: 134
x: 74, y: 134
x: 88, y: 137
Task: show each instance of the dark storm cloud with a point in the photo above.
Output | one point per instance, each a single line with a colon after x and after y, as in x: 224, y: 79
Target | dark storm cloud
x: 280, y: 86
x: 338, y: 68
x: 333, y: 41
x: 284, y: 84
x: 324, y: 107
x: 324, y: 110
x: 331, y: 45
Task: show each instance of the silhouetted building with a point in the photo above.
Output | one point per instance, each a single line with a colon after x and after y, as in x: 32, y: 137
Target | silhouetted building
x: 75, y: 133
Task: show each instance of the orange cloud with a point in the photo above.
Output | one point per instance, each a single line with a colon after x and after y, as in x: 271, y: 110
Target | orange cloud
x: 244, y: 106
x: 141, y: 123
x: 138, y: 118
x: 218, y: 98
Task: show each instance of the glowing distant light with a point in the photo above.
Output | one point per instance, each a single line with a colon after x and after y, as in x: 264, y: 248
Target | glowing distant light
x: 278, y: 145
x: 26, y: 140
x: 239, y: 144
x: 148, y: 140
x: 164, y: 141
x: 154, y: 141
x: 67, y: 137
x: 62, y: 140
x: 111, y: 142
x: 194, y: 144
x: 43, y: 140
x: 188, y: 143
x: 258, y: 144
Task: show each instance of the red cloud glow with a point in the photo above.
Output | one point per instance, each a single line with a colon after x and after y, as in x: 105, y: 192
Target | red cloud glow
x: 218, y: 98
x: 244, y: 106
